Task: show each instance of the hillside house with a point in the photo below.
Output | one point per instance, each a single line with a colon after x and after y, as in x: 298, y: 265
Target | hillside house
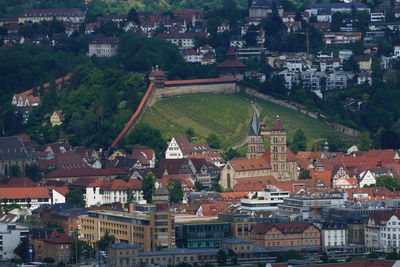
x: 180, y: 147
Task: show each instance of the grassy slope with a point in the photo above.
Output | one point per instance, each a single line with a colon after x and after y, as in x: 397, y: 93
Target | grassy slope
x: 226, y: 115
x: 293, y: 120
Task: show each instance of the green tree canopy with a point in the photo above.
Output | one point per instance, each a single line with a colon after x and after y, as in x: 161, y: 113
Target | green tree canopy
x: 299, y: 142
x: 289, y: 255
x: 199, y: 186
x: 213, y: 141
x: 148, y: 187
x: 221, y: 257
x: 105, y: 241
x: 175, y: 190
x: 75, y: 197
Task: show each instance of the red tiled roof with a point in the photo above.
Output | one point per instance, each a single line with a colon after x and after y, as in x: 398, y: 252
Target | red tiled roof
x: 63, y: 190
x: 251, y: 184
x: 59, y: 238
x: 231, y: 63
x: 371, y: 191
x: 250, y: 164
x: 319, y: 177
x: 277, y: 126
x: 214, y: 209
x: 86, y: 172
x: 147, y: 152
x: 381, y: 217
x: 121, y: 184
x: 200, y: 81
x: 209, y: 157
x: 88, y: 182
x: 183, y: 178
x: 17, y: 182
x: 289, y: 227
x: 24, y: 192
x: 233, y: 195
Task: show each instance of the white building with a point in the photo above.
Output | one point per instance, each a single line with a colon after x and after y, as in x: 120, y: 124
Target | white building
x: 345, y: 54
x: 97, y: 192
x: 10, y: 237
x: 396, y: 51
x: 382, y: 231
x: 30, y: 197
x: 334, y: 235
x: 192, y: 56
x: 182, y: 40
x: 291, y: 78
x: 180, y: 147
x: 104, y: 47
x: 294, y: 64
x: 267, y: 200
x: 377, y: 16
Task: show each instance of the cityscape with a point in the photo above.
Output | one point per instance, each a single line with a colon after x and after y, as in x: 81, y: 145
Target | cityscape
x: 197, y: 134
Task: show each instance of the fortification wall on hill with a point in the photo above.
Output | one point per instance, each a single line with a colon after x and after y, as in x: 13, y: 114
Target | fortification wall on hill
x: 180, y: 88
x: 226, y: 88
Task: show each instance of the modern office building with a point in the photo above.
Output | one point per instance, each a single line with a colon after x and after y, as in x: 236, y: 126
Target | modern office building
x: 150, y: 231
x: 202, y: 234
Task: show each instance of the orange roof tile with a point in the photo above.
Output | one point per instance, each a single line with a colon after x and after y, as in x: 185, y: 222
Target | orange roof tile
x: 24, y: 192
x: 200, y: 81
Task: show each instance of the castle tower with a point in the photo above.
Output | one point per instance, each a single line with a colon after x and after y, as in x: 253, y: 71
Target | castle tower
x: 158, y: 77
x: 278, y: 148
x: 255, y: 141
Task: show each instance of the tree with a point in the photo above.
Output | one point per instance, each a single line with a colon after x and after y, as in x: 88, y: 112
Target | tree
x: 75, y: 197
x: 288, y: 255
x: 215, y: 186
x: 175, y: 190
x: 390, y: 140
x: 15, y: 171
x: 213, y: 141
x: 79, y: 246
x: 148, y: 187
x: 393, y: 256
x: 304, y: 174
x: 232, y: 256
x: 49, y: 260
x: 299, y: 142
x: 150, y: 137
x: 389, y: 182
x: 32, y: 171
x: 133, y: 16
x: 373, y: 255
x: 365, y: 141
x: 232, y: 153
x: 22, y: 250
x: 199, y: 186
x: 189, y: 133
x: 105, y: 241
x: 221, y: 257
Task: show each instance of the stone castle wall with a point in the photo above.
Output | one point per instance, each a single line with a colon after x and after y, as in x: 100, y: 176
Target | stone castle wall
x: 225, y: 88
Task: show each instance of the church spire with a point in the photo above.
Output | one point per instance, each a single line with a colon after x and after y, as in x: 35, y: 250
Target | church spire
x: 254, y: 129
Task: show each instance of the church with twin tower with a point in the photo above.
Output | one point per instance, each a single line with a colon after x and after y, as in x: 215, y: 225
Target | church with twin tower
x: 277, y: 160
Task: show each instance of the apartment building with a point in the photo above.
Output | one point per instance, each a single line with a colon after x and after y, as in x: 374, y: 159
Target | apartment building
x: 286, y: 235
x: 103, y: 47
x: 150, y: 231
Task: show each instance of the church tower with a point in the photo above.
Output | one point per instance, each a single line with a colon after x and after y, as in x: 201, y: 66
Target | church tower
x: 278, y: 149
x: 255, y: 141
